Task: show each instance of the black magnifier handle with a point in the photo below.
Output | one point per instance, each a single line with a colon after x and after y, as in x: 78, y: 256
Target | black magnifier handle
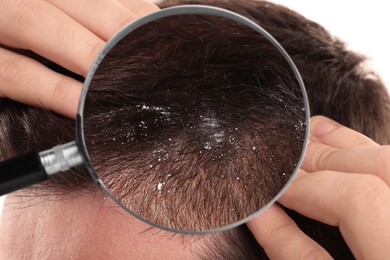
x: 21, y: 171
x: 33, y: 167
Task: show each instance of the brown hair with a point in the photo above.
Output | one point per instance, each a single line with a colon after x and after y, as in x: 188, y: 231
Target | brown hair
x: 194, y: 126
x: 337, y: 87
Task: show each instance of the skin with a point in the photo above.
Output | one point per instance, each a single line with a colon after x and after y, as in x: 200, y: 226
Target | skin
x: 344, y: 180
x: 85, y: 227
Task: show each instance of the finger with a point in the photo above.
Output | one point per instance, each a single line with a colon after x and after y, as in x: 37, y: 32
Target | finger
x: 359, y: 159
x: 358, y: 203
x: 139, y: 7
x: 329, y: 132
x: 281, y: 238
x: 46, y: 30
x: 102, y: 17
x: 27, y: 81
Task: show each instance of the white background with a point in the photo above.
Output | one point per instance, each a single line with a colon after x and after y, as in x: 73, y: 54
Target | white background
x: 362, y: 24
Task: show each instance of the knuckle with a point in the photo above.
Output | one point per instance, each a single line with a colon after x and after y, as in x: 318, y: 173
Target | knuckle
x: 91, y: 54
x: 58, y: 89
x: 9, y: 69
x: 122, y: 22
x: 56, y: 92
x: 316, y: 253
x: 382, y: 161
x: 321, y: 157
x: 281, y: 228
x: 365, y: 193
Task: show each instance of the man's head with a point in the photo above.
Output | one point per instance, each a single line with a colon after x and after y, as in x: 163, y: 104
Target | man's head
x: 337, y: 86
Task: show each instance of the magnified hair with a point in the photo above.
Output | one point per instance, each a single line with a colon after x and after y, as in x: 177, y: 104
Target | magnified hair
x: 186, y: 136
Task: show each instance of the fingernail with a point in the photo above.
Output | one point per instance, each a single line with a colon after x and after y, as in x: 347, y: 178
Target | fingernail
x: 322, y: 127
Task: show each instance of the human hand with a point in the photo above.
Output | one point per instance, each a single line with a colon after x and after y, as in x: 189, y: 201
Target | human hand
x: 344, y: 181
x: 69, y: 33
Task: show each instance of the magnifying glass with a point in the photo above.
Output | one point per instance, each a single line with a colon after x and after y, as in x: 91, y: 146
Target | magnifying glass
x: 197, y: 149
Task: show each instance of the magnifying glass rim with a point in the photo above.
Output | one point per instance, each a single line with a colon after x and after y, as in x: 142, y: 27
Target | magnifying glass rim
x: 172, y: 11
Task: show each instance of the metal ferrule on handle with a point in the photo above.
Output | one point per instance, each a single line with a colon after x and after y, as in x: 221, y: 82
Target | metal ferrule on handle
x: 61, y: 158
x: 32, y: 168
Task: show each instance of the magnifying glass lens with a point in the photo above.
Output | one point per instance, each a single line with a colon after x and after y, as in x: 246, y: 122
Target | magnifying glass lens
x: 194, y: 122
